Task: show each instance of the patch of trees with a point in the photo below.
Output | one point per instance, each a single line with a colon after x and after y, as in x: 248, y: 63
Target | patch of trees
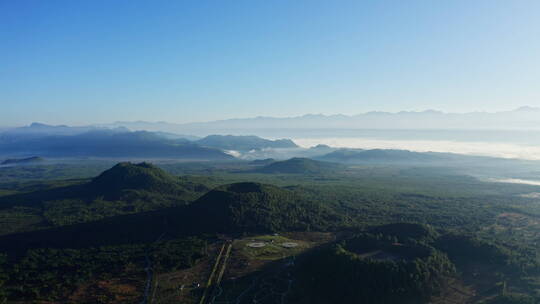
x: 405, y: 232
x: 465, y: 248
x: 54, y: 273
x: 300, y: 165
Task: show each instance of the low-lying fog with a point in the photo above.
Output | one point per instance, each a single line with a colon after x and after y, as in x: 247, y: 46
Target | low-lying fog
x: 504, y: 150
x: 516, y: 181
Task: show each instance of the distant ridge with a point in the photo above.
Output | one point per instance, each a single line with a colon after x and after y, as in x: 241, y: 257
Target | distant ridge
x: 107, y: 143
x: 523, y: 118
x: 382, y: 155
x: 37, y: 128
x: 262, y: 162
x: 527, y: 109
x: 388, y: 156
x: 244, y: 143
x: 403, y: 157
x: 28, y: 160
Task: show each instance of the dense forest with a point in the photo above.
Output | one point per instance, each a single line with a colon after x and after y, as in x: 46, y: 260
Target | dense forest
x: 299, y: 165
x: 395, y: 233
x: 52, y: 274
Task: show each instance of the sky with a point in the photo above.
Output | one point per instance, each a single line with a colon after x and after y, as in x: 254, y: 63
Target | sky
x: 80, y: 62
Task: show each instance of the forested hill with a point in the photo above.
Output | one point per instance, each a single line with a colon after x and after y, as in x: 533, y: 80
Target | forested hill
x: 254, y: 207
x: 239, y: 207
x: 130, y: 188
x: 124, y: 189
x: 141, y: 177
x: 374, y: 268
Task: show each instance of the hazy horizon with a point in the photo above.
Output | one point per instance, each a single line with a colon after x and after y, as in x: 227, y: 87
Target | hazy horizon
x: 29, y: 121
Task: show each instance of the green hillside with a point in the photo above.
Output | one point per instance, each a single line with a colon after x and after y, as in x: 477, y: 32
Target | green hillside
x: 126, y: 188
x: 258, y: 207
x: 141, y: 177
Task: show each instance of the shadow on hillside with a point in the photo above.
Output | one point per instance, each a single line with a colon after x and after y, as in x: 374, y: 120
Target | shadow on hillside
x: 125, y: 229
x: 33, y: 199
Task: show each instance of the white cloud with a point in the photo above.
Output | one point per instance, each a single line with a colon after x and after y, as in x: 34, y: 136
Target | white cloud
x: 233, y: 153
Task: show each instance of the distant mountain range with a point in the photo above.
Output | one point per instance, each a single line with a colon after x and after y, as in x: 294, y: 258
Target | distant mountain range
x: 524, y: 118
x: 103, y: 143
x: 119, y: 142
x: 64, y: 141
x: 37, y: 128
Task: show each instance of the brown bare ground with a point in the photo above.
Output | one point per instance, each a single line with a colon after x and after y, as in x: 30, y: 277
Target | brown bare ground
x: 117, y: 290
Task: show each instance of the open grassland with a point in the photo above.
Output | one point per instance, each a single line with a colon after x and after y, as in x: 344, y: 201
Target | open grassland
x: 273, y: 248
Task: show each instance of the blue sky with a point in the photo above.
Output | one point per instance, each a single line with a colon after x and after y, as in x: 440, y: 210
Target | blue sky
x: 79, y: 62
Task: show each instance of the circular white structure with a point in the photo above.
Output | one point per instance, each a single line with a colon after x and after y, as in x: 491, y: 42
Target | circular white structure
x: 256, y: 244
x: 289, y: 245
